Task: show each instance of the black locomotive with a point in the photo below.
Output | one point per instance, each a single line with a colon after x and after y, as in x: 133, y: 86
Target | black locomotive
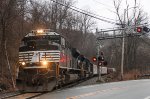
x: 47, y: 60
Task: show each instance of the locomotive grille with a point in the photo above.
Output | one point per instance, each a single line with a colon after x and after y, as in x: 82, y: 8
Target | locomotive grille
x: 25, y: 56
x: 38, y: 56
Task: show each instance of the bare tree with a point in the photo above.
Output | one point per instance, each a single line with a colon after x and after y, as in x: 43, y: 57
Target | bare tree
x: 7, y: 13
x: 130, y: 20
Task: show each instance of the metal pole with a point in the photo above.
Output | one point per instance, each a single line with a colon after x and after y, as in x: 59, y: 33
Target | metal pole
x: 98, y: 68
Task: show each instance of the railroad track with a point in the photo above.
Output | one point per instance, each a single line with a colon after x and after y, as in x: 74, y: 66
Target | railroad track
x: 23, y: 95
x: 30, y: 95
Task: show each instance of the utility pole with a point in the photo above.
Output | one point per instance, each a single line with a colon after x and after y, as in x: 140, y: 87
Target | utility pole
x: 98, y: 68
x: 97, y: 46
x: 123, y: 44
x: 122, y: 56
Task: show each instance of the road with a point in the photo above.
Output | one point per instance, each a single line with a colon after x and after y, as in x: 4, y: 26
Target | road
x: 134, y: 89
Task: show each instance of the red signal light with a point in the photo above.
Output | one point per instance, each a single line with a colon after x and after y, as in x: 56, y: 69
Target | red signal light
x: 94, y: 59
x: 139, y: 29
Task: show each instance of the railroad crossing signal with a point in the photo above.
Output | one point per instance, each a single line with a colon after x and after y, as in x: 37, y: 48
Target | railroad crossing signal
x: 142, y: 29
x: 139, y: 29
x: 100, y: 63
x: 105, y: 63
x: 94, y: 59
x: 146, y: 29
x: 100, y: 58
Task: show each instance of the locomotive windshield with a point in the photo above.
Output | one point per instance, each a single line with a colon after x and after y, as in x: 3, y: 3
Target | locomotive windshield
x: 40, y: 43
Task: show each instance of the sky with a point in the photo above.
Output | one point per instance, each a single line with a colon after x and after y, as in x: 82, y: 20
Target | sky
x: 106, y: 9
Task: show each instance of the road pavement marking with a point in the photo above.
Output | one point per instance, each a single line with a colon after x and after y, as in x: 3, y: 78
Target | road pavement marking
x: 95, y: 93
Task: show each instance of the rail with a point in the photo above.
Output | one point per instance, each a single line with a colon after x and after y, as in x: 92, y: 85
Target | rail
x: 30, y: 95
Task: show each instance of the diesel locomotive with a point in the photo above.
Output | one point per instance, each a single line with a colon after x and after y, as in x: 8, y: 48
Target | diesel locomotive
x: 47, y: 60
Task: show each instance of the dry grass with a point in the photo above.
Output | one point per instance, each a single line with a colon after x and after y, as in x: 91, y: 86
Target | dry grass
x: 6, y: 84
x: 131, y: 75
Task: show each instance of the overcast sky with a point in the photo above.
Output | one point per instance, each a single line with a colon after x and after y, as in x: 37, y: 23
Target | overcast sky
x: 105, y: 8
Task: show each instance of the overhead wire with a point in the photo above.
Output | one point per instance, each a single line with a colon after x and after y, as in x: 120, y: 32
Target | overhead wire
x: 85, y: 12
x: 102, y: 4
x: 93, y: 13
x: 107, y: 6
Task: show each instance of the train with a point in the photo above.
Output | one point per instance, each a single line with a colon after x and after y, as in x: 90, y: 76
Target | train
x: 47, y: 60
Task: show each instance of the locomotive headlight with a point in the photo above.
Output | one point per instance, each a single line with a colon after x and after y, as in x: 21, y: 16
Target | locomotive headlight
x: 23, y: 63
x: 40, y: 31
x: 44, y: 62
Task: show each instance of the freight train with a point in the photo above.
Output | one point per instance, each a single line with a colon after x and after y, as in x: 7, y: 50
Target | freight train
x: 47, y: 60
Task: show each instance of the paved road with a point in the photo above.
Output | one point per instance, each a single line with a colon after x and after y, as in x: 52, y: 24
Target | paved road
x: 135, y: 89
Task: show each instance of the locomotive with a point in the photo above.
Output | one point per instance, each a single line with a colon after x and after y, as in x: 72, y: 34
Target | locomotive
x: 47, y: 60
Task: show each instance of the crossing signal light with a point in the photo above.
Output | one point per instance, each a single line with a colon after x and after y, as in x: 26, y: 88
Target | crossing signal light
x: 139, y: 29
x: 100, y: 63
x: 146, y: 29
x: 100, y: 58
x: 142, y: 29
x: 94, y: 59
x: 105, y: 63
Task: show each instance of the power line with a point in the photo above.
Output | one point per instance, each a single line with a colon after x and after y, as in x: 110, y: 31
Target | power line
x: 103, y: 4
x: 93, y: 13
x: 107, y: 6
x: 104, y: 20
